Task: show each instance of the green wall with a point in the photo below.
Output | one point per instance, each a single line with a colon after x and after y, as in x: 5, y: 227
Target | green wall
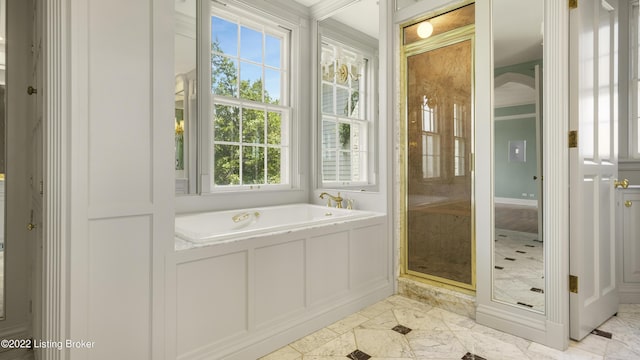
x: 526, y: 68
x: 514, y: 178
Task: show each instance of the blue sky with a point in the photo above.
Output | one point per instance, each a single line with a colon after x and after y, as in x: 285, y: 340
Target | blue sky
x: 251, y: 48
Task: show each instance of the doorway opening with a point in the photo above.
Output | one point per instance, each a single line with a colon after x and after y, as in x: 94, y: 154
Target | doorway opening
x: 437, y: 214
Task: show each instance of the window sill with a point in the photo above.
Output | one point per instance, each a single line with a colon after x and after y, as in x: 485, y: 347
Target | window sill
x: 349, y: 188
x: 240, y: 199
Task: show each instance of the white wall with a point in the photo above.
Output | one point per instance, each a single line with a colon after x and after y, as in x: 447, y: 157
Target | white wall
x: 121, y: 176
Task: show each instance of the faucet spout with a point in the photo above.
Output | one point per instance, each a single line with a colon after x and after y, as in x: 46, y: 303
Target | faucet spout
x: 337, y: 199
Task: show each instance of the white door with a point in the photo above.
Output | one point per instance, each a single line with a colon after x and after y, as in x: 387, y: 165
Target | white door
x: 593, y: 164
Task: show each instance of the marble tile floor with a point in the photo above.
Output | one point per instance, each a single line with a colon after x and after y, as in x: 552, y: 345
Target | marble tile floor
x: 518, y: 274
x: 399, y: 328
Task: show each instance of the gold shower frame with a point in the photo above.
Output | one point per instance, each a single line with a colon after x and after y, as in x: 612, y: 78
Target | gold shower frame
x: 465, y: 33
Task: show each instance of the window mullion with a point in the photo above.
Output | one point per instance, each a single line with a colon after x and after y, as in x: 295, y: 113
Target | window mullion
x: 265, y: 126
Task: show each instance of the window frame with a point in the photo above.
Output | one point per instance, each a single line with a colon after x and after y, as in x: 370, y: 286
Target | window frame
x: 336, y: 33
x: 245, y: 15
x: 459, y: 138
x: 433, y: 132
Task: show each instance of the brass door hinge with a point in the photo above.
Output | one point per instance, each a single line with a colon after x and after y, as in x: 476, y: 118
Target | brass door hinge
x: 573, y: 284
x: 573, y: 4
x: 573, y: 139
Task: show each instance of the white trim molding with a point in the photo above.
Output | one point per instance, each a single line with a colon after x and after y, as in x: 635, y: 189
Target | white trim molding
x: 56, y: 96
x: 556, y: 170
x: 511, y: 201
x: 511, y: 77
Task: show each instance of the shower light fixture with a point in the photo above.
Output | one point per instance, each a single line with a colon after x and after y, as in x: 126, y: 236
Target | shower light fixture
x: 425, y: 29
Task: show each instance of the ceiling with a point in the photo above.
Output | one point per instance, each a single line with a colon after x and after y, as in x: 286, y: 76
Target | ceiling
x: 361, y: 15
x: 517, y: 31
x: 517, y: 26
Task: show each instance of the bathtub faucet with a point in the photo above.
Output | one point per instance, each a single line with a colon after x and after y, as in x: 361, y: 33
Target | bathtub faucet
x: 337, y: 199
x: 244, y: 216
x: 240, y: 217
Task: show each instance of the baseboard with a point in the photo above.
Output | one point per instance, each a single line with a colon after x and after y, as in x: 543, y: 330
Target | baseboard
x: 511, y: 201
x: 307, y: 327
x: 527, y: 327
x: 557, y: 336
x: 267, y: 341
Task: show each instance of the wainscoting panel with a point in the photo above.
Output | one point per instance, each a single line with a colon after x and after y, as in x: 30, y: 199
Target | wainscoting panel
x: 328, y: 267
x: 279, y: 281
x: 119, y: 296
x: 214, y: 309
x: 367, y: 256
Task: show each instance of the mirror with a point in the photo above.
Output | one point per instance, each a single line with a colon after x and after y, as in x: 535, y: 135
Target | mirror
x: 185, y: 119
x: 518, y: 274
x: 3, y: 147
x: 347, y: 103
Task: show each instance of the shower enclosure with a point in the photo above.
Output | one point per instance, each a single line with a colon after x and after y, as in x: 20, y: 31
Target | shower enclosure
x: 438, y: 206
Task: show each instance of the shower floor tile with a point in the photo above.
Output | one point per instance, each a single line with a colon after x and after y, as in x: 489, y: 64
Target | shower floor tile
x: 440, y: 334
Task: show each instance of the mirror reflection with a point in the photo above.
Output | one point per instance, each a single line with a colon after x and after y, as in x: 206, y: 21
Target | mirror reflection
x: 185, y: 96
x: 3, y: 147
x: 518, y: 274
x: 347, y: 67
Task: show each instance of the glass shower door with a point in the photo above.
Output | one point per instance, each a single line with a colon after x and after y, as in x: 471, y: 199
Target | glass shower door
x: 439, y: 241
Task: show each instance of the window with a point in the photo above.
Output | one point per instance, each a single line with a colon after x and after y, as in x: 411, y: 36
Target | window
x: 458, y: 139
x: 345, y: 120
x: 249, y: 101
x: 430, y: 140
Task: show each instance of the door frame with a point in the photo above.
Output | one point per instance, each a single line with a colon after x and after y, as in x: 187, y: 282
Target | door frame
x: 57, y: 132
x: 451, y: 37
x: 552, y: 327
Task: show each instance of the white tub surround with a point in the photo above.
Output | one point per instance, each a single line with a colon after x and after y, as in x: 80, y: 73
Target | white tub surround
x: 244, y: 295
x: 225, y: 226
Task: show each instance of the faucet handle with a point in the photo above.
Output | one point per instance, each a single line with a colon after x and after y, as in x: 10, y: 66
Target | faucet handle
x: 338, y: 201
x: 349, y: 204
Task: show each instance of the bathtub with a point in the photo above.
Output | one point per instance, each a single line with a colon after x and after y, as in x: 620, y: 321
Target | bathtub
x: 231, y: 225
x: 247, y: 287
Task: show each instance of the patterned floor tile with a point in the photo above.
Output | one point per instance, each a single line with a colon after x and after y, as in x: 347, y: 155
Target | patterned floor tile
x: 438, y: 334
